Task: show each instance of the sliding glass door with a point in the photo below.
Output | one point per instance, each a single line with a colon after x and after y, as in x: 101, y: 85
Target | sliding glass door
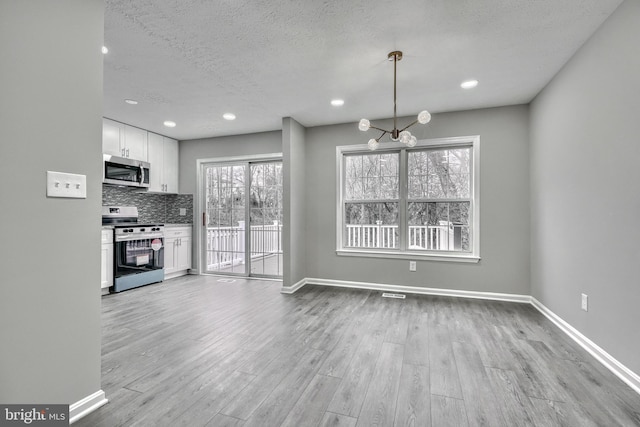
x: 243, y: 218
x: 265, y: 208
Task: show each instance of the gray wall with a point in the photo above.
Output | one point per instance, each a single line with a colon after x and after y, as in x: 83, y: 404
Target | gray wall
x: 294, y: 229
x: 585, y: 183
x: 227, y: 146
x: 504, y: 211
x: 50, y: 119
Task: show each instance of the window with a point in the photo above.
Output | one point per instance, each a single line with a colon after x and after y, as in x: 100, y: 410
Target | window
x: 418, y: 203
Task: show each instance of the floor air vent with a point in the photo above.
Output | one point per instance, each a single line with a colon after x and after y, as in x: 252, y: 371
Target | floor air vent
x: 226, y: 280
x: 390, y: 295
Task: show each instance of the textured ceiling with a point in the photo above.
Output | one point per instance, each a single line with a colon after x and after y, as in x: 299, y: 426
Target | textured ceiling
x: 190, y: 61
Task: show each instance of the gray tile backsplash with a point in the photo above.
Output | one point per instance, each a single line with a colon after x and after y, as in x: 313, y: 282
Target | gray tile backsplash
x: 152, y: 207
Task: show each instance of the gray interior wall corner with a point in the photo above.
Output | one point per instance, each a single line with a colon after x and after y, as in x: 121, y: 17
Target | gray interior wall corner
x: 50, y: 119
x: 585, y: 187
x: 294, y: 200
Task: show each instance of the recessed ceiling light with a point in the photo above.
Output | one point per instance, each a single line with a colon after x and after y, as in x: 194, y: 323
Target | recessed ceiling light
x: 337, y: 102
x: 469, y: 84
x: 105, y: 50
x: 229, y: 116
x: 170, y: 124
x: 131, y: 101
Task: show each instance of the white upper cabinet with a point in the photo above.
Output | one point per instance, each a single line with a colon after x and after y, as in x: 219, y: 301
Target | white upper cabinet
x: 163, y: 157
x: 135, y: 143
x: 156, y: 160
x: 112, y: 134
x: 171, y: 165
x: 123, y: 140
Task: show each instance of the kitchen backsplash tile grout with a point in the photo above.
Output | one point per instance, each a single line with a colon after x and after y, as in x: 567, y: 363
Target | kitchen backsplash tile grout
x: 152, y: 207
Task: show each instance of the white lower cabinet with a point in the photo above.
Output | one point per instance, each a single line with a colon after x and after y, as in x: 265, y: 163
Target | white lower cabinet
x: 177, y: 251
x: 107, y: 260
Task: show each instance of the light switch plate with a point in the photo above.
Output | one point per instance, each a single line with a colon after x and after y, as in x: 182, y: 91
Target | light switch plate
x: 69, y: 185
x: 183, y: 211
x: 412, y: 266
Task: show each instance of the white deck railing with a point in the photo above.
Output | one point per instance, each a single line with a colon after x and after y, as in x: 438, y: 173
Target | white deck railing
x: 430, y: 237
x: 226, y: 245
x: 371, y: 236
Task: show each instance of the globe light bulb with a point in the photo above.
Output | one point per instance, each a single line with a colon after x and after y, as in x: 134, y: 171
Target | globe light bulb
x: 412, y: 141
x: 404, y: 137
x: 424, y: 117
x: 373, y: 144
x: 364, y: 125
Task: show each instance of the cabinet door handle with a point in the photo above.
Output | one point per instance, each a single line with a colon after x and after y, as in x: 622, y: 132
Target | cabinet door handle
x: 127, y: 153
x: 122, y: 152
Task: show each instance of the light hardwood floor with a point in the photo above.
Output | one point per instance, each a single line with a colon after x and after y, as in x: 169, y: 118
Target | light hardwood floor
x: 195, y: 351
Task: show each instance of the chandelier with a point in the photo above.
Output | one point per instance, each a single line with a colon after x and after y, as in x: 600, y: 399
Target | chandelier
x: 402, y: 135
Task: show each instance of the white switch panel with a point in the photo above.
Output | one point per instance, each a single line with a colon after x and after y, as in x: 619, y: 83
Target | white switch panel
x: 585, y: 302
x: 60, y: 184
x: 183, y: 211
x: 412, y: 266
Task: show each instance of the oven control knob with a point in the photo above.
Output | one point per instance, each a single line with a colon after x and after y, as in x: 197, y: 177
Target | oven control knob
x: 142, y: 229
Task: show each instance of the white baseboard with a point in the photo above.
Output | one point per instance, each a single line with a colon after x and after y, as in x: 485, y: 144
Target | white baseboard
x: 410, y: 290
x: 291, y: 289
x: 609, y: 362
x: 621, y: 371
x: 85, y: 406
x: 176, y: 274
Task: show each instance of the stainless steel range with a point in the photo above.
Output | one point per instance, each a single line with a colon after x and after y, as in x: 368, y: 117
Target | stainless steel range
x: 139, y: 248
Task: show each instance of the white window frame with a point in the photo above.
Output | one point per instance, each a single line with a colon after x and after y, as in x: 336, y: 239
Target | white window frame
x: 472, y: 256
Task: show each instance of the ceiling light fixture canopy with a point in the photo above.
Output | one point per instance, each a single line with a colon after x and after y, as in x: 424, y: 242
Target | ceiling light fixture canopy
x: 402, y: 135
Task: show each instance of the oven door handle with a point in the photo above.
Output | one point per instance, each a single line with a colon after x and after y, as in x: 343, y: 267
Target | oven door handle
x: 130, y: 238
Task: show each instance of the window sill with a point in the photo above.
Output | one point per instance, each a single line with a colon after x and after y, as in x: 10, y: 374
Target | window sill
x: 417, y: 256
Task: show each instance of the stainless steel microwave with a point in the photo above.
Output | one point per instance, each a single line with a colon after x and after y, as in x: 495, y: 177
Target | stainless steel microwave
x: 122, y: 171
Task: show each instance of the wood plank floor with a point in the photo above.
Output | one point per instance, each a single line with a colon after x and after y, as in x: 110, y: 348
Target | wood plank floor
x: 195, y: 351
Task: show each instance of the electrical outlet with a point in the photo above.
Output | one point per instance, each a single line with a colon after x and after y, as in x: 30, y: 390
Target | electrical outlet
x: 183, y: 211
x: 585, y: 302
x: 412, y: 266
